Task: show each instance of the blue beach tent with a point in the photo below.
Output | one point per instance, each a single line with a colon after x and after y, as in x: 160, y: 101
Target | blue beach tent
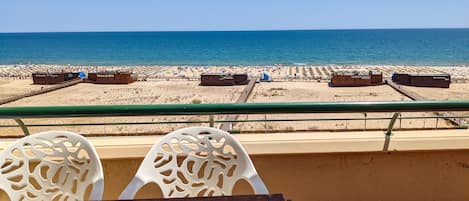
x: 265, y: 77
x: 81, y: 74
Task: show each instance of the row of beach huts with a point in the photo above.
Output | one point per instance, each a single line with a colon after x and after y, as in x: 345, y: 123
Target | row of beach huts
x: 341, y: 78
x: 347, y: 78
x: 105, y: 77
x: 125, y: 77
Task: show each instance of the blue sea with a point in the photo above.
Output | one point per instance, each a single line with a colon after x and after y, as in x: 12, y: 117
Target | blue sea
x: 313, y: 47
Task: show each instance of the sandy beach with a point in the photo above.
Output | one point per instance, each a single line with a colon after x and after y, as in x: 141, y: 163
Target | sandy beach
x: 456, y: 91
x: 278, y: 73
x: 149, y: 92
x: 321, y: 92
x: 180, y: 85
x: 9, y: 88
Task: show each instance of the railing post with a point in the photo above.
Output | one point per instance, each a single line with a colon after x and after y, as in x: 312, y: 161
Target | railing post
x: 391, y: 123
x: 211, y: 121
x: 22, y: 126
x: 366, y: 115
x: 400, y: 120
x: 389, y: 131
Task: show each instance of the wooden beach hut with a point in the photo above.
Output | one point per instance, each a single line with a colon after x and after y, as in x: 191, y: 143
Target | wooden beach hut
x: 241, y: 78
x: 223, y: 79
x: 112, y: 77
x: 422, y: 80
x: 53, y: 78
x: 355, y: 78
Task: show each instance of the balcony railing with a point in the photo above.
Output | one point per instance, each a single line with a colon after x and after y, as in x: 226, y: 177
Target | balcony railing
x: 19, y: 113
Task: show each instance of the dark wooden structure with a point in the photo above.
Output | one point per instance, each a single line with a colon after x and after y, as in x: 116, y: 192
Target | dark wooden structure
x: 422, y: 80
x: 111, y: 77
x: 53, y: 78
x: 223, y: 79
x: 272, y: 197
x: 241, y: 78
x: 356, y: 78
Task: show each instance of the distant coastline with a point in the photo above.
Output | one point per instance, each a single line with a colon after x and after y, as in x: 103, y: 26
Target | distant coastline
x: 240, y: 30
x: 429, y: 47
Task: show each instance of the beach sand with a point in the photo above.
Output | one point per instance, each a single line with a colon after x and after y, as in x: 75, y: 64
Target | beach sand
x: 150, y: 92
x: 179, y: 84
x: 10, y: 88
x: 321, y: 92
x: 456, y: 91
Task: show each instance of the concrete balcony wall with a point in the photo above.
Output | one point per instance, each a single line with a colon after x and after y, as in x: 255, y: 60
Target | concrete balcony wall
x: 430, y: 175
x: 421, y: 165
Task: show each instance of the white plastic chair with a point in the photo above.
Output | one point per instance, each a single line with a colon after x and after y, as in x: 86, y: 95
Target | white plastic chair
x: 195, y: 162
x: 54, y: 165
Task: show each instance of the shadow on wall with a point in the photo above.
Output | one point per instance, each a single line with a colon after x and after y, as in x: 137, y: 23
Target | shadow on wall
x: 3, y: 196
x: 119, y: 173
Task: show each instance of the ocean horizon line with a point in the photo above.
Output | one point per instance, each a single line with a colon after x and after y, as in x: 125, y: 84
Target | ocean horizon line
x: 240, y: 30
x: 235, y: 65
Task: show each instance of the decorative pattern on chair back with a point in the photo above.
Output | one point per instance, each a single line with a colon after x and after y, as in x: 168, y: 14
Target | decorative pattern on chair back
x: 197, y: 161
x: 53, y: 165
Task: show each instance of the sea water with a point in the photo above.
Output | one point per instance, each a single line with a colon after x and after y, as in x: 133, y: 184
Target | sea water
x: 308, y: 47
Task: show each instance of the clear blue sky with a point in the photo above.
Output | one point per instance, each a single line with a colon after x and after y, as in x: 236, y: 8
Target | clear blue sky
x: 187, y: 15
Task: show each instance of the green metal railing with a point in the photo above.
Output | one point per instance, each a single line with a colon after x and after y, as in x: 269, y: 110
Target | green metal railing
x: 19, y: 113
x: 230, y: 121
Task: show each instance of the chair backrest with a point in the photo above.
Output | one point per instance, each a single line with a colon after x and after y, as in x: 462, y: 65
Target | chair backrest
x: 54, y: 165
x: 196, y: 162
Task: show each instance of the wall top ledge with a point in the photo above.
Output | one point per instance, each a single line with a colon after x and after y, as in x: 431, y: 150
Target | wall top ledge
x: 298, y: 143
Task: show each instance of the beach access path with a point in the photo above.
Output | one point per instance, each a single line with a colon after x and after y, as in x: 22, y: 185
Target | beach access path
x: 449, y: 116
x: 242, y: 99
x: 41, y: 91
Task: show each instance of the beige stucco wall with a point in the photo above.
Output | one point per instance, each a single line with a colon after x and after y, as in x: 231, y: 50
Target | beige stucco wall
x: 431, y: 175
